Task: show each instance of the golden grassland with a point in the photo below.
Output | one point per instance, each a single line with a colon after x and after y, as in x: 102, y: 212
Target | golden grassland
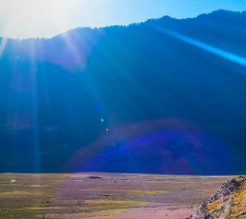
x: 56, y: 195
x: 214, y: 206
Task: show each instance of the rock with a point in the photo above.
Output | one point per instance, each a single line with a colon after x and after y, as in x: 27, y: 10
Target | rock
x: 95, y: 177
x: 228, y: 202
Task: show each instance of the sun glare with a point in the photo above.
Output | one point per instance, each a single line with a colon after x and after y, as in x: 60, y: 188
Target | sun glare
x: 36, y: 18
x: 46, y: 18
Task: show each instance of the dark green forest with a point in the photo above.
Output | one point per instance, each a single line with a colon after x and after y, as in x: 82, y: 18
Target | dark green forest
x: 127, y: 98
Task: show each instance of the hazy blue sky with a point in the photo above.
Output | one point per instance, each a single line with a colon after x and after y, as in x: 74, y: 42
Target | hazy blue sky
x: 33, y: 18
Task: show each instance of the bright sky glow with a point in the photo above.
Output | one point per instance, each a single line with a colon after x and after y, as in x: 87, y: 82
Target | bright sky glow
x: 46, y: 18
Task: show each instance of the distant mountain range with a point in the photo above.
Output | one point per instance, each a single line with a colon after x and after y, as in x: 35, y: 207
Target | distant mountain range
x: 163, y: 96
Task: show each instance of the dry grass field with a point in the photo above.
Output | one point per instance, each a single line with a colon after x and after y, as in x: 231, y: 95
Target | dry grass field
x: 103, y: 196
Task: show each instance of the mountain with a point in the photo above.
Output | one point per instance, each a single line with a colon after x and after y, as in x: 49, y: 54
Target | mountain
x: 163, y: 96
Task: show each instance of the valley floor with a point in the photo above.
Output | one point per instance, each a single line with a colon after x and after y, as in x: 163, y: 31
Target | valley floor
x: 103, y: 196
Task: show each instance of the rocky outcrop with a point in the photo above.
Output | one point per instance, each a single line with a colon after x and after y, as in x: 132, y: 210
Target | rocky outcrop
x: 228, y: 202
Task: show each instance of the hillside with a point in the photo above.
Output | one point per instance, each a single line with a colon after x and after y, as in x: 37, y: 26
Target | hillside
x: 155, y: 97
x: 228, y: 202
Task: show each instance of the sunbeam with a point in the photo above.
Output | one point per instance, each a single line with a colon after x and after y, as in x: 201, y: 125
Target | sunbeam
x: 3, y: 44
x: 73, y: 49
x: 206, y: 47
x: 34, y: 98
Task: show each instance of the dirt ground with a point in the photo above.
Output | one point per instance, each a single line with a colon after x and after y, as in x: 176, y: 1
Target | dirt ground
x: 103, y: 196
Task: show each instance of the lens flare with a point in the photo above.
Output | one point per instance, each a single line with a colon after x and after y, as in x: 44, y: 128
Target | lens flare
x: 159, y: 146
x: 206, y: 47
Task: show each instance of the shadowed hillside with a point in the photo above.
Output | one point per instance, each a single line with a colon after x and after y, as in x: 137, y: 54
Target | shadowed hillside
x: 164, y: 96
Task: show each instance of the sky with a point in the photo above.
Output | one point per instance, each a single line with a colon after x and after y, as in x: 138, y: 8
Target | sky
x: 46, y: 18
